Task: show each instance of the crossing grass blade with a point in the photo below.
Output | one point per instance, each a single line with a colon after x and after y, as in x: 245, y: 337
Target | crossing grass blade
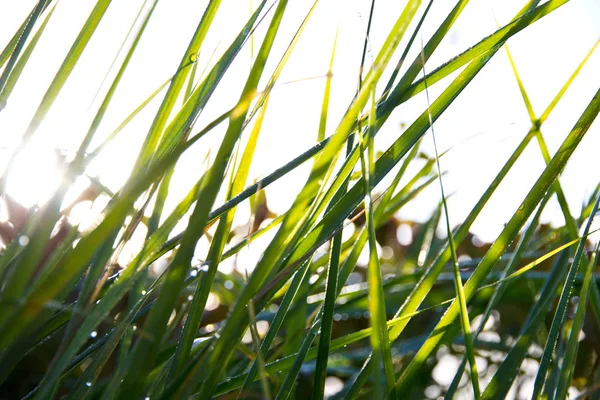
x: 138, y: 333
x: 20, y: 45
x: 11, y: 74
x: 536, y: 125
x: 512, y: 227
x: 559, y: 316
x: 458, y: 285
x: 568, y: 365
x: 60, y: 78
x: 548, y: 292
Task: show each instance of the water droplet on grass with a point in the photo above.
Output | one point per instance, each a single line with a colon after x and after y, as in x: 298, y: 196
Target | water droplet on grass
x: 23, y: 240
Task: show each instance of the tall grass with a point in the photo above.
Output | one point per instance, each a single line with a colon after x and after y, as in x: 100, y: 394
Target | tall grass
x: 75, y: 323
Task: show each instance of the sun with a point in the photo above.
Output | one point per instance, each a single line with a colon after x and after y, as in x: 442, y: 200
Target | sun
x: 35, y: 175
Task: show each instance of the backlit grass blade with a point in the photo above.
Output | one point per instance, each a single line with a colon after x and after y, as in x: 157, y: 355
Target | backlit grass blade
x: 535, y: 128
x: 384, y: 108
x: 511, y: 229
x: 549, y: 109
x: 215, y: 253
x: 458, y: 285
x: 145, y: 349
x: 10, y: 46
x: 321, y: 170
x: 568, y: 365
x: 483, y: 49
x: 50, y: 215
x: 179, y: 128
x: 379, y: 339
x: 341, y: 342
x: 561, y: 309
x: 20, y: 45
x: 276, y: 324
x: 117, y: 291
x: 162, y: 115
x: 334, y: 259
x: 60, y: 78
x: 388, y: 86
x: 7, y: 85
x: 432, y: 44
x: 502, y: 287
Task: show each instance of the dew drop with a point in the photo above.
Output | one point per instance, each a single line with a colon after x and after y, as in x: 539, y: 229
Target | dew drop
x: 134, y: 327
x: 143, y: 292
x: 193, y: 273
x: 23, y: 240
x: 93, y: 334
x: 204, y: 268
x: 88, y: 384
x: 190, y: 297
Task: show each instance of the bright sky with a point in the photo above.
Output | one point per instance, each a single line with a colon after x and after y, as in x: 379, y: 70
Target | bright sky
x: 545, y: 54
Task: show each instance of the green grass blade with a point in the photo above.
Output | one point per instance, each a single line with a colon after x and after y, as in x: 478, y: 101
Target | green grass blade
x: 561, y: 309
x: 483, y: 49
x: 511, y: 229
x: 215, y: 253
x: 339, y: 343
x: 334, y: 262
x: 503, y: 286
x: 504, y: 377
x: 144, y: 350
x: 10, y: 46
x: 284, y: 307
x: 20, y: 44
x: 568, y: 365
x: 536, y: 125
x: 321, y: 170
x: 388, y: 86
x: 415, y: 68
x: 458, y: 285
x: 379, y: 339
x: 158, y: 124
x: 7, y: 85
x: 60, y: 78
